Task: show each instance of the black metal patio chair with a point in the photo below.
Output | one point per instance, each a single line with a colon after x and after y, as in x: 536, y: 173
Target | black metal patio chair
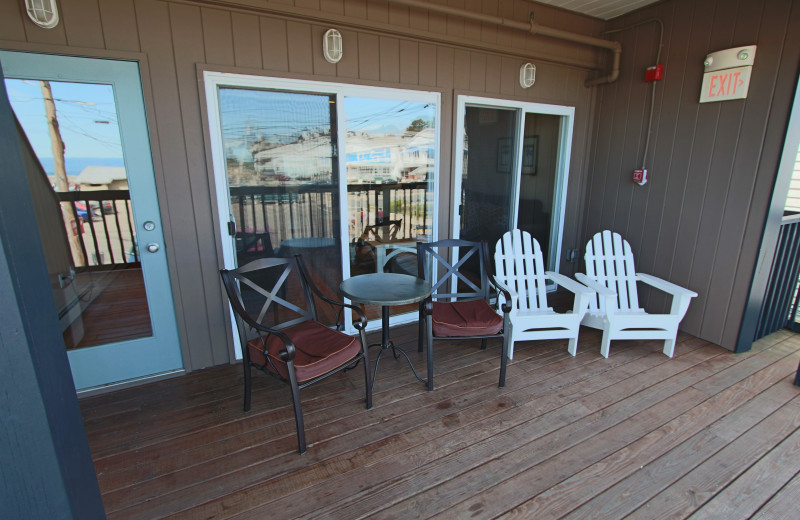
x: 276, y: 315
x: 459, y: 306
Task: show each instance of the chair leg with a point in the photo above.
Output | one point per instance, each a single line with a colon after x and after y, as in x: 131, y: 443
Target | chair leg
x: 483, y: 344
x: 421, y: 332
x: 298, y: 411
x: 367, y: 380
x: 669, y: 346
x: 247, y: 386
x: 504, y: 363
x: 430, y: 356
x: 572, y: 346
x: 605, y: 343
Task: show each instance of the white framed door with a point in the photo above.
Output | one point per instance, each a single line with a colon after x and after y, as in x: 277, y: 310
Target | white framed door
x: 511, y: 171
x: 98, y: 214
x: 314, y: 168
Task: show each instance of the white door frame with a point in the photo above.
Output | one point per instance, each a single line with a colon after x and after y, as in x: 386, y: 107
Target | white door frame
x: 215, y: 80
x: 567, y: 115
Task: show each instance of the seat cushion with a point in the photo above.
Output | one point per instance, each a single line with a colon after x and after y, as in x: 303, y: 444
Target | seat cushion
x: 320, y: 349
x: 469, y: 318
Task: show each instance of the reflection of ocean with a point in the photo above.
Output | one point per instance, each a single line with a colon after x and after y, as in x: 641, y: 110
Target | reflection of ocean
x: 75, y: 165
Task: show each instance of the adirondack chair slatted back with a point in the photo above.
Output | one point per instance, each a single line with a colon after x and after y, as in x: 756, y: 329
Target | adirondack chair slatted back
x: 519, y: 266
x: 446, y: 277
x: 609, y: 260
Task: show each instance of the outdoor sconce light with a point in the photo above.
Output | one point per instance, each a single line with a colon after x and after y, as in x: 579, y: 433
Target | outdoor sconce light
x: 43, y: 13
x: 527, y: 75
x: 332, y: 46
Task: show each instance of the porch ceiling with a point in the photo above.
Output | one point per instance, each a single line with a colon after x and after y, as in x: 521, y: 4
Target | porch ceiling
x: 604, y: 9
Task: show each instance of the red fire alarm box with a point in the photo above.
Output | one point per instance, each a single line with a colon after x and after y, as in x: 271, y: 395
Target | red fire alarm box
x: 654, y: 73
x: 640, y: 177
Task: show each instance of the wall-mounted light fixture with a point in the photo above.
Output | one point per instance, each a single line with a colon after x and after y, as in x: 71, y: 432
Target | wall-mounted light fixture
x: 527, y: 75
x: 332, y: 45
x: 43, y: 13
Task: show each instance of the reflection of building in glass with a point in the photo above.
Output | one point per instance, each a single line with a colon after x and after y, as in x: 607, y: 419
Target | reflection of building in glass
x: 390, y: 158
x: 307, y: 159
x: 370, y: 159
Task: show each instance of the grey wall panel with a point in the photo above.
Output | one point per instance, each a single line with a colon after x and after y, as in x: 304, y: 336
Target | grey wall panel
x: 217, y: 37
x: 178, y: 37
x: 118, y: 31
x: 709, y: 162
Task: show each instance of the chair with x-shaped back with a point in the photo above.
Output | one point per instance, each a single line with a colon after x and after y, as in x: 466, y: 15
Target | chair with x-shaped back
x: 276, y: 314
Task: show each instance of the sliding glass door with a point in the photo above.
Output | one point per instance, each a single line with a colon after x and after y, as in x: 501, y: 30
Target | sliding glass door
x: 342, y: 174
x: 512, y: 163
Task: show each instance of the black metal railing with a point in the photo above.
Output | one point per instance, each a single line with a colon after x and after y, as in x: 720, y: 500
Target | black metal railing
x: 103, y: 221
x: 779, y: 307
x: 287, y: 212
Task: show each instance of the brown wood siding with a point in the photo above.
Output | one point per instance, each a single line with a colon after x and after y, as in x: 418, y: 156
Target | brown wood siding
x: 698, y: 220
x: 384, y: 45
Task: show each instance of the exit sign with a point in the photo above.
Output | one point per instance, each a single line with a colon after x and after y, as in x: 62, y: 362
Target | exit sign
x: 726, y: 84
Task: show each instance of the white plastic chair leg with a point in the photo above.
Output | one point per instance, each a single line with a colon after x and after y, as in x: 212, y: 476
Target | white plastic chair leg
x: 669, y: 347
x: 605, y: 343
x: 572, y: 347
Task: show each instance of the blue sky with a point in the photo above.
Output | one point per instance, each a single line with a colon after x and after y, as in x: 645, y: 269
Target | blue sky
x: 86, y: 115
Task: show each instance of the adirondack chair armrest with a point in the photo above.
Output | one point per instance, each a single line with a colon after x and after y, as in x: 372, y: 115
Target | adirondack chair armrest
x: 581, y: 292
x: 668, y: 287
x: 594, y: 285
x: 567, y: 283
x: 609, y: 297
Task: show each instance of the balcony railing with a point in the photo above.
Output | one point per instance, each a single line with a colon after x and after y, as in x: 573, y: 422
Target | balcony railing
x: 103, y: 219
x: 781, y: 298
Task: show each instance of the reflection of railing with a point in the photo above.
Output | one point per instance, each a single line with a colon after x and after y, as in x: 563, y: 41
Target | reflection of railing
x: 103, y: 221
x: 286, y: 211
x: 781, y: 297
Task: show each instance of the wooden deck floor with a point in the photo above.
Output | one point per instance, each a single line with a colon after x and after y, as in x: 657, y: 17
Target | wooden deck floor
x: 708, y: 434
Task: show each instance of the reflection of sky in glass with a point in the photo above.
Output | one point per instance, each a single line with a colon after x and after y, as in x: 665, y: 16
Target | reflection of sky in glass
x: 385, y: 116
x: 280, y: 117
x: 86, y: 115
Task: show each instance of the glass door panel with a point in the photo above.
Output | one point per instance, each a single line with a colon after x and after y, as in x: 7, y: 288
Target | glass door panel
x: 514, y: 164
x: 390, y: 160
x: 538, y: 178
x: 84, y: 137
x: 489, y: 159
x: 282, y: 178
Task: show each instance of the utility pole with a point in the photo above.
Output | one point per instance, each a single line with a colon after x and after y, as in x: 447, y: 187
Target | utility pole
x: 62, y: 183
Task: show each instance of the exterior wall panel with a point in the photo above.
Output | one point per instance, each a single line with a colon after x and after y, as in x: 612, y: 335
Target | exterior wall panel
x: 384, y: 45
x: 698, y: 220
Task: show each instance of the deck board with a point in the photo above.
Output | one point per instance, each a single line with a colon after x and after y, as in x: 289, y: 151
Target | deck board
x: 571, y: 437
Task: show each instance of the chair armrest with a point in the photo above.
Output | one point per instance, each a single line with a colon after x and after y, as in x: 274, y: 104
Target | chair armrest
x: 594, y: 285
x: 288, y: 353
x: 501, y: 288
x: 664, y: 285
x: 566, y: 283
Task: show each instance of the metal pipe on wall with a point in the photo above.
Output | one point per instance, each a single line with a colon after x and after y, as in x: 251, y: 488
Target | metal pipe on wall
x: 533, y: 28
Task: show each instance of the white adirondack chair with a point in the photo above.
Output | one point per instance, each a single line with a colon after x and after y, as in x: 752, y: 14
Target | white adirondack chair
x: 520, y: 268
x: 615, y: 310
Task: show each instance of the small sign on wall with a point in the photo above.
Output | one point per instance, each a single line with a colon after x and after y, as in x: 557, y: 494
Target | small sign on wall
x: 727, y: 74
x: 724, y: 85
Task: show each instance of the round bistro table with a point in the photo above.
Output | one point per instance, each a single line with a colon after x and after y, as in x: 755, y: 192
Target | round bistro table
x: 386, y: 289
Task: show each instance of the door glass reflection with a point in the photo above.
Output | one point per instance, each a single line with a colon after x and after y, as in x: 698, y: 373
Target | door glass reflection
x: 71, y: 147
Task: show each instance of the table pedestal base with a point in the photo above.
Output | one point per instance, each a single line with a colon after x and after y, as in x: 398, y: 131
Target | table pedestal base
x: 387, y: 344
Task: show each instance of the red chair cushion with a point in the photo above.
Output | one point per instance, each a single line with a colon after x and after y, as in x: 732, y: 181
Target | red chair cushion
x: 320, y: 349
x: 469, y: 318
